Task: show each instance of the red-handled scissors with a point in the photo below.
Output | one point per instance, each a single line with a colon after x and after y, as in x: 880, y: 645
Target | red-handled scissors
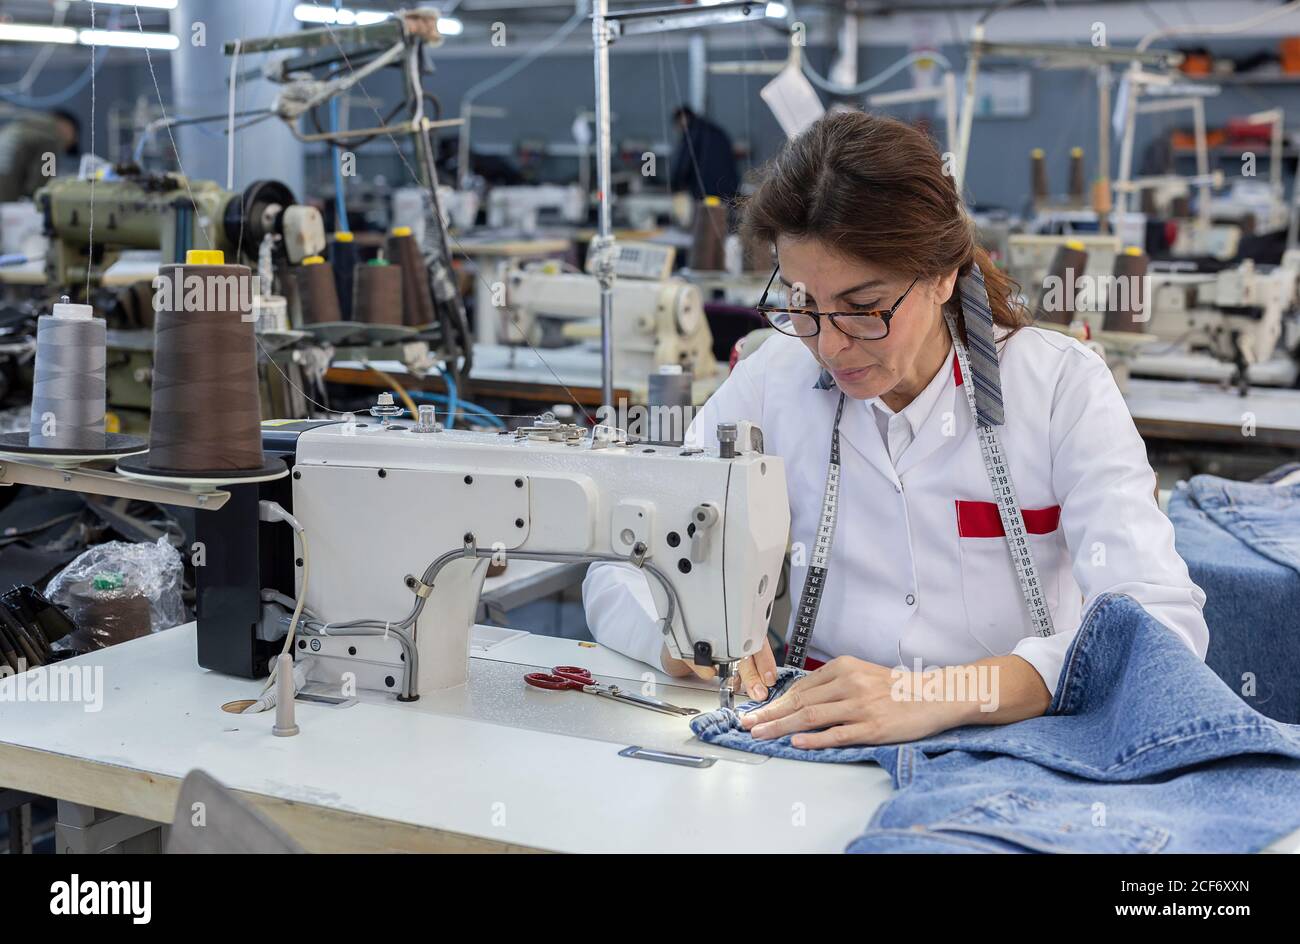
x: 561, y: 678
x: 575, y: 678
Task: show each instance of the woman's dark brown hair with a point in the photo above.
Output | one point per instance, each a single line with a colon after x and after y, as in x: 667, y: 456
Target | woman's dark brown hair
x: 875, y: 189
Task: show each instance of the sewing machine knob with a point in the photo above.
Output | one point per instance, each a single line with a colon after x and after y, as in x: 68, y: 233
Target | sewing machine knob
x: 704, y: 518
x: 727, y: 440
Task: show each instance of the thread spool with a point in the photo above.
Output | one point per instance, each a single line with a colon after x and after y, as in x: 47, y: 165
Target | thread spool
x: 270, y: 313
x: 1056, y: 301
x: 1125, y: 311
x: 68, y: 389
x: 206, y: 412
x: 1038, y: 175
x: 318, y: 294
x: 343, y: 259
x: 1076, y: 175
x: 377, y: 293
x: 108, y: 611
x: 417, y: 298
x: 668, y: 395
x: 708, y: 247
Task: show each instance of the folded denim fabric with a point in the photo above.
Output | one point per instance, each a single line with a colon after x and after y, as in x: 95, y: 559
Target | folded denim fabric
x: 1241, y: 542
x: 1143, y: 749
x: 1266, y: 517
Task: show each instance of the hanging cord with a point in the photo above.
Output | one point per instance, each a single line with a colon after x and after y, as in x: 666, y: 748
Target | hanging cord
x: 171, y: 137
x: 1219, y: 29
x: 90, y: 237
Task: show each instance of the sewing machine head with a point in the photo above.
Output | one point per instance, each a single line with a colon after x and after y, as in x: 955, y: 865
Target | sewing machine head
x: 380, y: 502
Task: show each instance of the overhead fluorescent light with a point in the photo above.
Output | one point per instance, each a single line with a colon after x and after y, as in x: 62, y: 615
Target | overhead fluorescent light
x: 130, y: 39
x: 450, y: 26
x: 777, y: 11
x: 149, y: 4
x: 30, y: 33
x: 318, y: 13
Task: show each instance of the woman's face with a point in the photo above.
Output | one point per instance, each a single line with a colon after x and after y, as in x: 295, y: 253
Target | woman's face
x: 831, y: 281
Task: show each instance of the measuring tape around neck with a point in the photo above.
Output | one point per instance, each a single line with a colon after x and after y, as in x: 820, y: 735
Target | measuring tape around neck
x: 1004, y: 493
x: 810, y: 599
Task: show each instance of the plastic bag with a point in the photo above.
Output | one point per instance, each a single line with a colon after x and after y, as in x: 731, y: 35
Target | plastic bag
x: 119, y: 591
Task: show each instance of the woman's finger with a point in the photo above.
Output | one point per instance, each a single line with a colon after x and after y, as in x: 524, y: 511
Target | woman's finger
x: 750, y: 681
x: 808, y: 718
x: 842, y: 735
x: 765, y: 664
x: 790, y: 703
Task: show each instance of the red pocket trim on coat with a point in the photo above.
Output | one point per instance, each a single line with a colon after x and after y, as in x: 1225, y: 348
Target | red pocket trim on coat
x: 976, y: 519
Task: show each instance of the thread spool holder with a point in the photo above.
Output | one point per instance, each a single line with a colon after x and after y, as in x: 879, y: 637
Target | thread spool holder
x: 94, y: 482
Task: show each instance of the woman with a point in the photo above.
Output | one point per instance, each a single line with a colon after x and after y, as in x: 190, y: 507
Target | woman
x: 876, y: 269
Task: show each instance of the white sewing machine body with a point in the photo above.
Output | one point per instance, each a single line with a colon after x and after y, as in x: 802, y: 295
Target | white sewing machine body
x: 1218, y: 312
x: 379, y: 502
x: 656, y: 321
x: 526, y: 206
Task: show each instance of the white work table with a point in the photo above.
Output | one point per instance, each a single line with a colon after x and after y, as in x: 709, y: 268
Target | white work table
x: 476, y: 768
x: 1190, y: 410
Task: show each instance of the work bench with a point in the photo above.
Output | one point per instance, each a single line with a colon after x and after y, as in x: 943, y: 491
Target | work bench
x: 491, y: 766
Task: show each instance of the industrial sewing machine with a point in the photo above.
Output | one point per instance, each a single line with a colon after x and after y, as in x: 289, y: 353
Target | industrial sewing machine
x: 401, y: 520
x: 1233, y: 317
x: 525, y: 207
x: 169, y: 213
x: 659, y: 319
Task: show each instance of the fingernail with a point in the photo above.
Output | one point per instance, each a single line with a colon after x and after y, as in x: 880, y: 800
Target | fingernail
x: 770, y: 678
x: 759, y: 692
x: 747, y: 721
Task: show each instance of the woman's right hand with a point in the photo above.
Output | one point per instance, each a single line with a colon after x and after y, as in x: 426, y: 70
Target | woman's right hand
x: 754, y: 675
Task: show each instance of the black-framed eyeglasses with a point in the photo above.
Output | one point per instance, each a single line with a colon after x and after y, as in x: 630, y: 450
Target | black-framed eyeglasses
x: 866, y: 325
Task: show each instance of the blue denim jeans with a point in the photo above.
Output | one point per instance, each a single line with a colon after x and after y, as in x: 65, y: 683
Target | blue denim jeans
x: 1143, y: 749
x: 1241, y: 542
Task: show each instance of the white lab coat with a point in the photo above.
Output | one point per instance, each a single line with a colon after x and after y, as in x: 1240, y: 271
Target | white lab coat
x: 919, y: 569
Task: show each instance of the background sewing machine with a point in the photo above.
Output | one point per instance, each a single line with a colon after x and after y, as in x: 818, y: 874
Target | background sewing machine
x: 659, y: 321
x: 155, y: 211
x: 525, y: 207
x: 1224, y: 325
x: 709, y: 529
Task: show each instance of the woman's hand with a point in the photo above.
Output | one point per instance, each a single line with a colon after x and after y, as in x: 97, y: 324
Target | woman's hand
x: 753, y: 675
x: 855, y: 702
x: 858, y: 702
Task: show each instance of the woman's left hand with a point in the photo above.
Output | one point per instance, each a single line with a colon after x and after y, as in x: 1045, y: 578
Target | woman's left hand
x: 855, y: 702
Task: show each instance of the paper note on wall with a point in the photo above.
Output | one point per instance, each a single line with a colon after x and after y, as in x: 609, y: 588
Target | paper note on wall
x: 793, y: 100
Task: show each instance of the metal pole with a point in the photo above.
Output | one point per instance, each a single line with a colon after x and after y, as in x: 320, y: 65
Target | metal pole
x: 968, y: 107
x: 1103, y: 142
x: 603, y: 245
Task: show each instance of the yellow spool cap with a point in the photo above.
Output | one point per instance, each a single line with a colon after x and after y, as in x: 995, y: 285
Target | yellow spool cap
x: 401, y: 231
x: 1076, y: 152
x: 205, y: 257
x: 313, y: 260
x: 712, y: 201
x: 1133, y: 251
x: 343, y: 237
x: 1036, y: 152
x: 1074, y: 244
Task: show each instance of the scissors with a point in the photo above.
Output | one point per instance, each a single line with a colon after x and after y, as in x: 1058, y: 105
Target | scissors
x: 575, y: 678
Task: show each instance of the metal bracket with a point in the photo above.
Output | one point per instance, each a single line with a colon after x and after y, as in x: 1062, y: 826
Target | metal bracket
x: 107, y: 483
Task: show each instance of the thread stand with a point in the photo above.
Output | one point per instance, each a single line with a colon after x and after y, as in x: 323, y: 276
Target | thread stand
x: 116, y: 445
x: 95, y: 482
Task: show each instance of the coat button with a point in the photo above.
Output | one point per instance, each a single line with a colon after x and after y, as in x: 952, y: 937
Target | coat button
x: 910, y: 599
